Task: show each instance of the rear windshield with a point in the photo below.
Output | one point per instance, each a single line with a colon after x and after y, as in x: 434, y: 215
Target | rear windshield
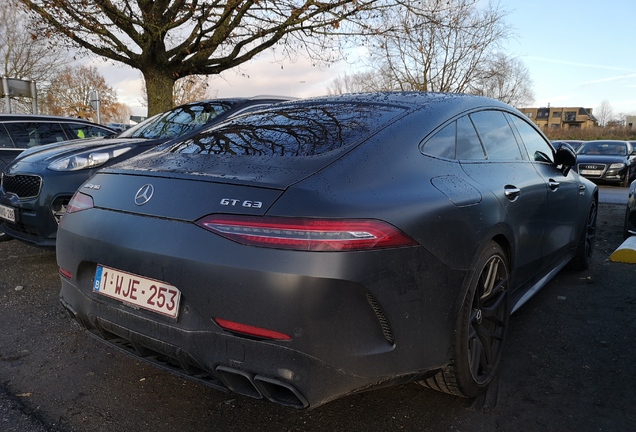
x: 292, y: 130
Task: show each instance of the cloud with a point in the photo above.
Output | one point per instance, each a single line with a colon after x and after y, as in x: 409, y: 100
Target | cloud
x: 265, y: 76
x: 578, y: 64
x: 608, y: 79
x: 261, y: 76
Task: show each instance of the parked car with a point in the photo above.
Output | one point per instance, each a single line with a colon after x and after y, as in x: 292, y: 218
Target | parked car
x: 37, y: 186
x: 630, y: 212
x: 574, y: 143
x: 119, y: 127
x: 22, y: 131
x: 325, y: 246
x: 608, y: 161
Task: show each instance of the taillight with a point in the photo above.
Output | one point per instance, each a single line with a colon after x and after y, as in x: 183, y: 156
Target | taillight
x: 307, y: 234
x: 79, y: 202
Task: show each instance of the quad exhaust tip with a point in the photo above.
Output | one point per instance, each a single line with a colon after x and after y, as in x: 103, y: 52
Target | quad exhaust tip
x: 258, y: 387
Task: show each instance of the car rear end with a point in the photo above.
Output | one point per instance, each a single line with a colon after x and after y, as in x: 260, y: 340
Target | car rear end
x: 209, y: 293
x: 252, y: 274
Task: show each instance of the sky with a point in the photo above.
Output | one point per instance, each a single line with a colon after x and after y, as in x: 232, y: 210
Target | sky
x: 578, y: 52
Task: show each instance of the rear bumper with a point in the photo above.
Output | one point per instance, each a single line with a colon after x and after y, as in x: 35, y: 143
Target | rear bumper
x: 356, y: 320
x: 226, y: 362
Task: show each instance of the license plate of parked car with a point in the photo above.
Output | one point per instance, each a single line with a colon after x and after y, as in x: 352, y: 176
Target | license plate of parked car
x: 592, y: 172
x: 7, y: 213
x: 139, y: 291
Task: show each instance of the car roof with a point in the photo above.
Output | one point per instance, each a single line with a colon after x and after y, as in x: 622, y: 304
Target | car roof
x: 43, y: 117
x: 405, y: 98
x: 236, y: 100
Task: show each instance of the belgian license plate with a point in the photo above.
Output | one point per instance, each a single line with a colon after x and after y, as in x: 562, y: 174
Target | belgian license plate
x: 591, y: 172
x: 7, y: 213
x: 135, y: 290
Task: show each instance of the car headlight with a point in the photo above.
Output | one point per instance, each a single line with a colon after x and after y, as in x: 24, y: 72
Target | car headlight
x: 617, y: 166
x: 89, y: 159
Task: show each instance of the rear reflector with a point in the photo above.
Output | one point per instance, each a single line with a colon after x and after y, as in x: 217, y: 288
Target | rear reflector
x: 307, y: 234
x: 250, y: 330
x: 66, y: 274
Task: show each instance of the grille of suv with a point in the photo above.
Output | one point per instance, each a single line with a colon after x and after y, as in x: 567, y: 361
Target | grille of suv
x: 23, y: 186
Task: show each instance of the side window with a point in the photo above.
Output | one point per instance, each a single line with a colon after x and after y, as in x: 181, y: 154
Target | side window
x: 80, y: 130
x: 496, y: 135
x: 5, y: 139
x: 76, y: 130
x: 468, y: 144
x: 49, y: 133
x: 442, y: 144
x: 538, y: 149
x: 31, y: 134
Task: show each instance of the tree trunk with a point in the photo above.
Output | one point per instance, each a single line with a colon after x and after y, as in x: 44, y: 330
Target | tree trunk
x: 159, y: 85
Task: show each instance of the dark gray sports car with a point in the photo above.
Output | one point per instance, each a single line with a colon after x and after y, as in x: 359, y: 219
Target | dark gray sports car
x: 326, y: 246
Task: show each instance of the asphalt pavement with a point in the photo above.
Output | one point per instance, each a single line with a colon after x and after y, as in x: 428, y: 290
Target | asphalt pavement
x: 568, y: 366
x: 613, y: 194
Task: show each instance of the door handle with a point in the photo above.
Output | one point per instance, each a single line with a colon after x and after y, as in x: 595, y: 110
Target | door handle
x: 512, y: 192
x: 553, y: 184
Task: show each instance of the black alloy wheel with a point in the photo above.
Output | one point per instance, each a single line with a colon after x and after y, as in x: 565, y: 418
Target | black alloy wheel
x: 481, y: 328
x: 584, y: 250
x: 488, y: 319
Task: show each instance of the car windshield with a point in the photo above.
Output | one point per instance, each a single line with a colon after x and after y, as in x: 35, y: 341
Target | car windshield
x: 292, y: 130
x: 179, y: 120
x: 603, y: 148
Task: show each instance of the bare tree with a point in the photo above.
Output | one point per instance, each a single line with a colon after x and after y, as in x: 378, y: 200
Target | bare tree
x: 360, y: 82
x: 69, y: 94
x: 437, y: 45
x: 191, y: 88
x: 604, y: 113
x: 504, y: 78
x: 171, y: 39
x: 120, y: 113
x: 23, y: 55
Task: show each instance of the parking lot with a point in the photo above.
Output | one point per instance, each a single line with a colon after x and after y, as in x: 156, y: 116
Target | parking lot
x: 568, y: 366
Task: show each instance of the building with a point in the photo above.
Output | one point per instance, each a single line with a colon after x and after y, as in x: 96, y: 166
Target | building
x: 561, y: 118
x: 630, y: 122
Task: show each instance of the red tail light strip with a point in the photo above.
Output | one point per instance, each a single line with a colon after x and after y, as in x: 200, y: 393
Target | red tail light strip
x: 307, y: 234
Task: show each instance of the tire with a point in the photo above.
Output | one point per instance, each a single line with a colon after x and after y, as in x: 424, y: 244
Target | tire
x: 4, y: 237
x: 585, y: 248
x: 480, y: 330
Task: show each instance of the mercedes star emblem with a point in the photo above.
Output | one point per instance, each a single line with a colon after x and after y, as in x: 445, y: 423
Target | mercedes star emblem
x: 144, y: 194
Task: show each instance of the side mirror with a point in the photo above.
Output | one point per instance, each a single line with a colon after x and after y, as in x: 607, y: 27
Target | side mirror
x: 565, y: 157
